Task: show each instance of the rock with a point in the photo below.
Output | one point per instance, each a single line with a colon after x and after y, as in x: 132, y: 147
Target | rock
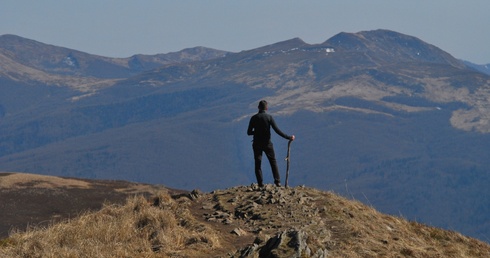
x: 290, y: 243
x: 248, y: 252
x: 195, y: 194
x: 208, y: 206
x: 239, y: 232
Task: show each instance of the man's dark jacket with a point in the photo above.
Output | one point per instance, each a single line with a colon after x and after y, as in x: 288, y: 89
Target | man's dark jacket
x: 260, y: 127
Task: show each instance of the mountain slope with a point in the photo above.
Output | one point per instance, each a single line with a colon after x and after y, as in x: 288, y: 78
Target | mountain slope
x: 242, y: 222
x: 379, y: 116
x: 30, y: 200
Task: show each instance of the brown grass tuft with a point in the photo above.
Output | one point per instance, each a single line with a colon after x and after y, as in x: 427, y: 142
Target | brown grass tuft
x: 137, y: 229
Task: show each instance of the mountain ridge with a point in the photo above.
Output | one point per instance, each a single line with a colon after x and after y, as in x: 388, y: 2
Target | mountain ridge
x: 485, y: 68
x: 380, y: 41
x: 64, y: 61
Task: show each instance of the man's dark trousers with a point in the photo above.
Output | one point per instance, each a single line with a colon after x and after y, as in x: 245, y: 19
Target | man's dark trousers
x: 268, y: 149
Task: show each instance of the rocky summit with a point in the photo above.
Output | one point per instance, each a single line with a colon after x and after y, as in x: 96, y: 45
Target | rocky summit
x: 305, y: 222
x: 280, y: 219
x: 242, y: 221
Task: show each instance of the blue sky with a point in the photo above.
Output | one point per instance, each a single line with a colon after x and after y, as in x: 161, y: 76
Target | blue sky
x: 121, y: 28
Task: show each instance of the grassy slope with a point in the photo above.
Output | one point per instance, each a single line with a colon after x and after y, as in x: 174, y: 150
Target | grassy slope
x: 193, y: 225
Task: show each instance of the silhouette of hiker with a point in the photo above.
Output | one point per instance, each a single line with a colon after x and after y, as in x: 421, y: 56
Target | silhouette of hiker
x: 260, y: 127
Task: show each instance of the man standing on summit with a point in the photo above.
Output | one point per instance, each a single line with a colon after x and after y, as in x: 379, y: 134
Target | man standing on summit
x: 260, y: 127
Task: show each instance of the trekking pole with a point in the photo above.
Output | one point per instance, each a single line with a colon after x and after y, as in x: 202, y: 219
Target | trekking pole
x: 287, y: 160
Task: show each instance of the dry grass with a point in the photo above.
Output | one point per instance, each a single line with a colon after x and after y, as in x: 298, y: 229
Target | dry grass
x: 365, y: 232
x: 136, y: 229
x: 346, y: 228
x: 25, y: 180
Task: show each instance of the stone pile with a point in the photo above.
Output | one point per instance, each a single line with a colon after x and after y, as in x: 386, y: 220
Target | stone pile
x: 282, y: 219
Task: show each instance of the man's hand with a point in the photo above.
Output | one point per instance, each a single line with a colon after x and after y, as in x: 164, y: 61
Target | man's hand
x: 292, y: 138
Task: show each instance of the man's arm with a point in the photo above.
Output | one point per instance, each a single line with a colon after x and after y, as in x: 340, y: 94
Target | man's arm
x: 250, y: 130
x: 278, y: 131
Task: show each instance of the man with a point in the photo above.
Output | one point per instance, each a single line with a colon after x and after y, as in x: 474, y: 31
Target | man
x: 260, y: 127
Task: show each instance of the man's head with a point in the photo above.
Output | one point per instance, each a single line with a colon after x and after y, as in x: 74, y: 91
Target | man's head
x: 263, y: 105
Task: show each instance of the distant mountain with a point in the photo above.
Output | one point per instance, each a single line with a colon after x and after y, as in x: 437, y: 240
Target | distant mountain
x: 482, y: 68
x: 55, y: 60
x: 391, y: 47
x: 32, y: 71
x: 379, y: 116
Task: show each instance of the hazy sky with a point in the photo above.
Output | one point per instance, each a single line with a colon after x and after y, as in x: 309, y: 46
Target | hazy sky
x: 121, y: 28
